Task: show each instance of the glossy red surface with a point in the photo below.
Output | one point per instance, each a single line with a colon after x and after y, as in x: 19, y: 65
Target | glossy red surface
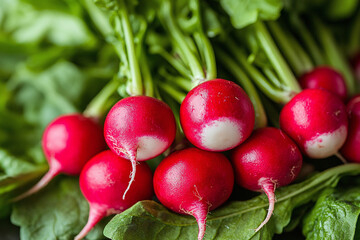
x: 192, y: 176
x: 212, y: 101
x: 71, y: 140
x: 268, y: 154
x: 326, y: 78
x: 350, y: 150
x: 134, y: 117
x: 105, y: 178
x: 311, y: 113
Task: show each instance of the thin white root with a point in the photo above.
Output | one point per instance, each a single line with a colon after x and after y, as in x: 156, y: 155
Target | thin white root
x: 132, y: 174
x: 341, y: 157
x: 269, y: 188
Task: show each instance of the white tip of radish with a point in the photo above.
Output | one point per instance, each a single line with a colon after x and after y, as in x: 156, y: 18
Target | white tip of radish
x: 149, y: 147
x: 221, y: 134
x: 269, y: 188
x: 326, y: 144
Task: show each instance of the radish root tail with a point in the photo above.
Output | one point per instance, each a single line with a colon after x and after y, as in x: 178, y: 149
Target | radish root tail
x: 132, y: 174
x: 54, y: 170
x: 95, y: 215
x: 200, y: 212
x: 269, y: 188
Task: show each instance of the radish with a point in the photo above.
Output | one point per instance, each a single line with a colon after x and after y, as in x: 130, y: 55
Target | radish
x: 268, y: 159
x: 350, y: 149
x: 326, y: 78
x: 102, y: 182
x: 217, y: 115
x: 316, y: 120
x: 139, y: 128
x: 194, y: 182
x: 68, y: 143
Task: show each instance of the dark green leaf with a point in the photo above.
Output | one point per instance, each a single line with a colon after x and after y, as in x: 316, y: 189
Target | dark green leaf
x: 58, y: 212
x: 335, y: 215
x: 236, y: 220
x: 15, y: 173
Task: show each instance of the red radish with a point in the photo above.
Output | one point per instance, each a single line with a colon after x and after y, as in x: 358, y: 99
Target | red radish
x: 350, y: 149
x: 194, y: 182
x: 139, y: 128
x: 68, y: 143
x: 326, y: 78
x: 268, y: 159
x: 316, y: 120
x: 217, y: 115
x: 103, y: 181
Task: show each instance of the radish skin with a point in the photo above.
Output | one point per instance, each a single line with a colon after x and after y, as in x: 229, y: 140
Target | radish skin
x: 191, y: 181
x: 268, y: 159
x: 139, y: 128
x: 102, y: 182
x: 317, y: 121
x: 217, y: 115
x: 326, y: 78
x: 350, y: 149
x: 68, y: 143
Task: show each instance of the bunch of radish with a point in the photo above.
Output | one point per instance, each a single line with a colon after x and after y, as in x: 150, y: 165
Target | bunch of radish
x: 216, y: 115
x: 68, y: 143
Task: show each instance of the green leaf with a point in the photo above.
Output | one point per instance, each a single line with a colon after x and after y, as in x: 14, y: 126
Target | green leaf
x: 235, y: 220
x: 48, y: 90
x: 335, y: 215
x: 340, y: 9
x: 15, y: 173
x: 244, y: 12
x: 58, y: 212
x: 27, y: 23
x: 12, y: 166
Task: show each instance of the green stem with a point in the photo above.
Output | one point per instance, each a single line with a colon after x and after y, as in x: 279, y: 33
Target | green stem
x: 174, y: 93
x: 181, y: 82
x: 136, y: 81
x: 209, y: 56
x: 172, y: 61
x: 277, y: 95
x: 334, y: 56
x: 166, y: 15
x: 354, y: 43
x: 98, y: 18
x: 305, y: 58
x: 146, y: 75
x: 271, y: 76
x: 275, y: 57
x: 308, y: 40
x: 287, y: 43
x: 205, y: 46
x: 245, y: 82
x: 99, y: 104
